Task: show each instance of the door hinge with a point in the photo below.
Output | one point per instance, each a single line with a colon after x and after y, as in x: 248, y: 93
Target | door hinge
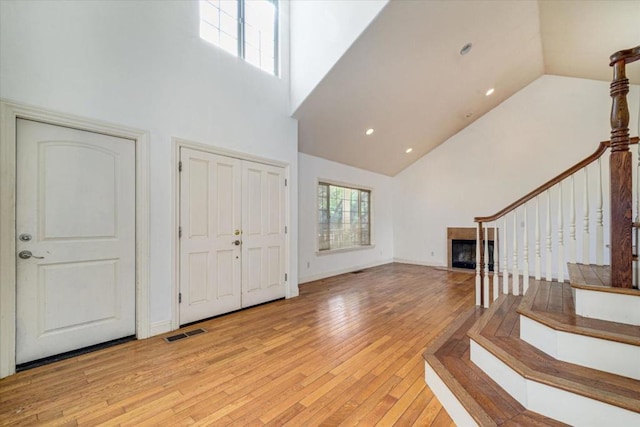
x: 285, y: 277
x: 179, y: 232
x: 285, y: 229
x: 285, y: 182
x: 180, y: 166
x: 179, y: 297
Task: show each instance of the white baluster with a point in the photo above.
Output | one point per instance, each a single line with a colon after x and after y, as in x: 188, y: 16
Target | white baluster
x: 486, y: 267
x: 505, y: 267
x: 548, y: 253
x: 600, y: 217
x: 560, y: 236
x: 525, y: 254
x: 515, y: 280
x: 496, y: 267
x: 572, y: 223
x: 586, y: 238
x: 478, y: 277
x: 538, y: 267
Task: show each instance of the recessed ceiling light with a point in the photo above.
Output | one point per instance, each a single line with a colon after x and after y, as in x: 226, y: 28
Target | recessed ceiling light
x: 369, y: 132
x: 408, y: 150
x: 466, y: 49
x: 489, y: 92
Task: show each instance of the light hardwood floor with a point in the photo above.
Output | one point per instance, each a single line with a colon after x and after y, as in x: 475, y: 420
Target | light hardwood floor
x: 347, y: 351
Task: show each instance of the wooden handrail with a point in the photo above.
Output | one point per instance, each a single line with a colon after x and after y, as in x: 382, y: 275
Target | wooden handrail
x: 627, y: 55
x: 553, y: 181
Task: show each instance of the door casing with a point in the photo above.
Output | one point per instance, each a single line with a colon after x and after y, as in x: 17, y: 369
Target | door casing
x: 175, y: 223
x: 9, y: 113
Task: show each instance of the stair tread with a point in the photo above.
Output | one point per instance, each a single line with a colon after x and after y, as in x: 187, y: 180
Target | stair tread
x: 595, y: 278
x: 551, y: 303
x: 528, y: 361
x: 484, y: 399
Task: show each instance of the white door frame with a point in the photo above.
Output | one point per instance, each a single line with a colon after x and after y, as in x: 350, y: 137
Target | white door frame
x: 10, y: 112
x: 175, y: 214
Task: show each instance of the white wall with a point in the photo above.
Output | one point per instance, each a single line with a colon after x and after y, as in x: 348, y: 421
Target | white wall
x: 142, y: 64
x: 539, y: 132
x: 313, y: 266
x: 321, y: 32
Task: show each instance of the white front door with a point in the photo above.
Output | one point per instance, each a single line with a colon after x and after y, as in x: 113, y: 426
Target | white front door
x: 232, y: 244
x: 75, y: 223
x: 210, y: 225
x: 263, y: 233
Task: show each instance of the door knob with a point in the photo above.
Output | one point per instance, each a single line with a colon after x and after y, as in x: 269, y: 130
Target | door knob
x: 28, y: 254
x: 236, y: 242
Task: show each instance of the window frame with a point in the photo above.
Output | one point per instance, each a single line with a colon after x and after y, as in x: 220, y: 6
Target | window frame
x: 371, y: 244
x: 240, y: 50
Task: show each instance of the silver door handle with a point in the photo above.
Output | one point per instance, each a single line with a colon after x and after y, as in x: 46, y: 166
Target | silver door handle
x: 236, y: 242
x: 28, y: 254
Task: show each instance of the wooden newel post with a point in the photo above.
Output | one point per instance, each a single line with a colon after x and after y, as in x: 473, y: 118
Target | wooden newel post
x: 620, y: 169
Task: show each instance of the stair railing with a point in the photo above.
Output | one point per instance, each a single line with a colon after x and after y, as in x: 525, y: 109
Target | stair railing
x: 554, y: 192
x: 550, y: 219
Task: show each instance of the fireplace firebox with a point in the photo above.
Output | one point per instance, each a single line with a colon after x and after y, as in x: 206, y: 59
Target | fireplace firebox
x: 463, y: 254
x: 461, y: 248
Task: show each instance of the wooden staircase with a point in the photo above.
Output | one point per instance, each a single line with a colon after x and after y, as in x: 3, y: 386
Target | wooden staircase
x: 485, y: 373
x: 545, y: 352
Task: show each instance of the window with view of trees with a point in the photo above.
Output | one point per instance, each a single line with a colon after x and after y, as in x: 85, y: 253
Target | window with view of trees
x: 344, y: 219
x: 246, y: 28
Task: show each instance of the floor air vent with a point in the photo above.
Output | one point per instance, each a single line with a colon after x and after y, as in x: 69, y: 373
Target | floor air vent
x: 185, y: 335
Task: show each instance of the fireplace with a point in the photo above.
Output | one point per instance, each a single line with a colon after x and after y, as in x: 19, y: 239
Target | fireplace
x: 461, y: 248
x: 463, y: 254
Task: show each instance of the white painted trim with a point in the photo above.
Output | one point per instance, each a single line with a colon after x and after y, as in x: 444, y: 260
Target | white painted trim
x: 614, y: 307
x: 11, y: 111
x: 448, y: 400
x: 291, y: 288
x: 561, y: 405
x: 426, y: 264
x: 604, y: 355
x: 158, y: 328
x: 342, y: 250
x: 326, y: 274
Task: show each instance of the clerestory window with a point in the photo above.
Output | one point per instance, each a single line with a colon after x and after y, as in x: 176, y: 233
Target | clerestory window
x: 245, y: 28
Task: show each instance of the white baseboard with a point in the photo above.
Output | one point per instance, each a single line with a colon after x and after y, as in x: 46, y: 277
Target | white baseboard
x: 417, y: 262
x: 158, y: 328
x: 324, y: 275
x: 604, y: 355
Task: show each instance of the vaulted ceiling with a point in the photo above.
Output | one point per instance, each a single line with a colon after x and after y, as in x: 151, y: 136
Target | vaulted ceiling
x: 405, y: 78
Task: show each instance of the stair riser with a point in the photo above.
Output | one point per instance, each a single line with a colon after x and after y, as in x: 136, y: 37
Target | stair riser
x: 613, y: 307
x: 449, y: 402
x: 552, y: 402
x: 609, y: 356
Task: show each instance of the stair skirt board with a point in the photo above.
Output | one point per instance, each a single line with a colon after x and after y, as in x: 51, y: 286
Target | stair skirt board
x: 596, y: 353
x: 546, y: 400
x: 448, y: 400
x: 613, y: 307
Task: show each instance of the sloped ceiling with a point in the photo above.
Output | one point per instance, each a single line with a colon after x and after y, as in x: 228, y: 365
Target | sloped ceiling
x: 405, y: 77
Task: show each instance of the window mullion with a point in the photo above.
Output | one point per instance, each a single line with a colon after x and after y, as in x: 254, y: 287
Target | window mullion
x: 329, y: 215
x: 241, y: 28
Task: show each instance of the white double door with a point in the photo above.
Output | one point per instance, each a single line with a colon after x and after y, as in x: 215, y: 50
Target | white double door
x: 75, y: 230
x: 232, y: 244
